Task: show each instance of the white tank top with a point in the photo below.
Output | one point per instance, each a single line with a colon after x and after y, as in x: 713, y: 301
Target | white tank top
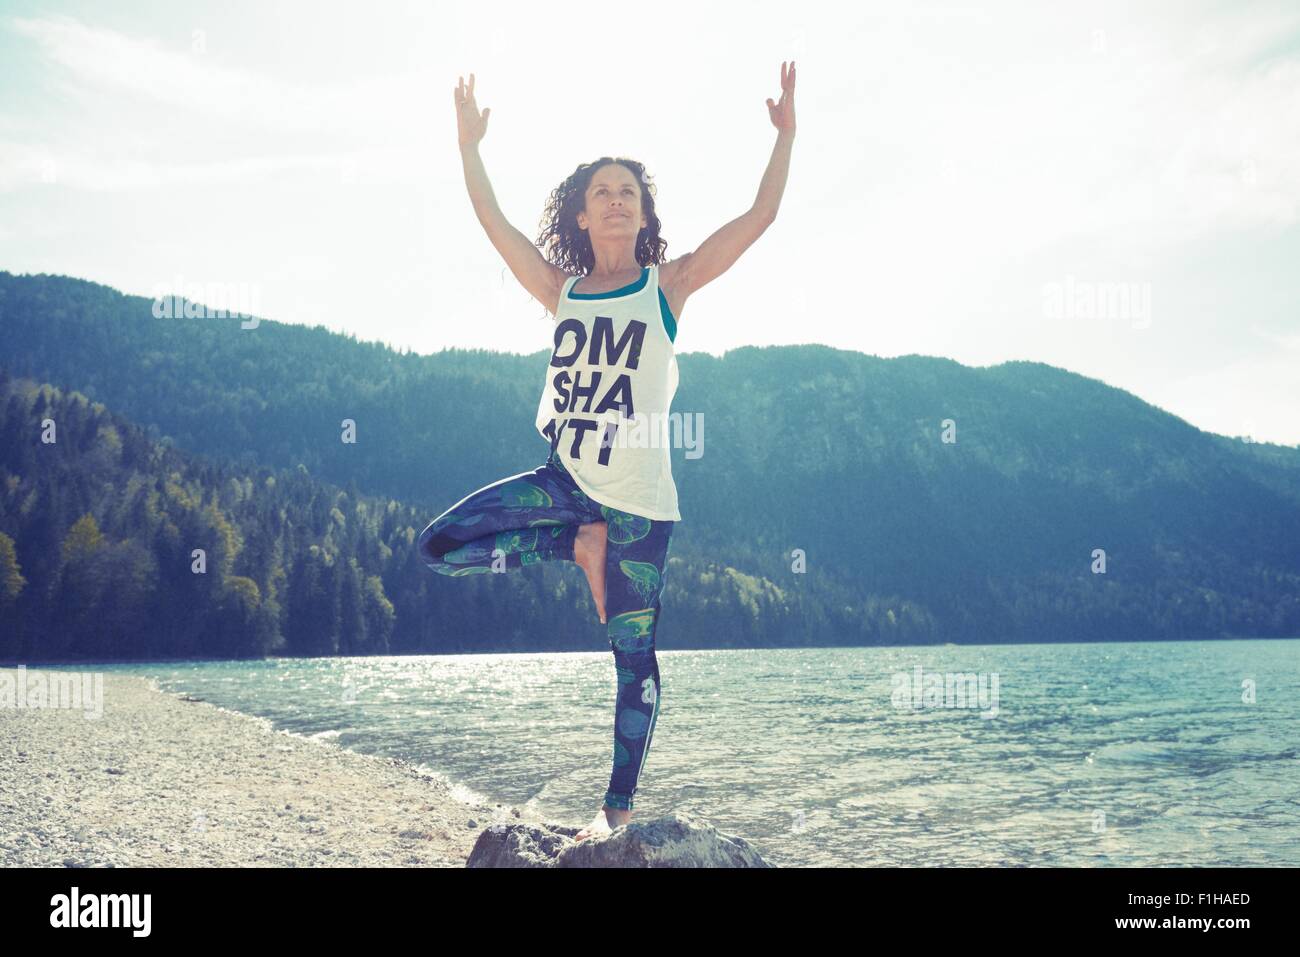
x: 608, y: 391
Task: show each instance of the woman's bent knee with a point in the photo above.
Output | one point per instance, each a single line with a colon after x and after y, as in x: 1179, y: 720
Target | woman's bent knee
x: 433, y: 546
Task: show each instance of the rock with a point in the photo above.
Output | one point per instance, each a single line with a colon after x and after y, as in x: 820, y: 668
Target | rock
x: 672, y: 841
x: 520, y: 845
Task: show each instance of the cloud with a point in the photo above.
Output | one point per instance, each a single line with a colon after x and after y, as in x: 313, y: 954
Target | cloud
x: 26, y: 165
x: 108, y: 61
x: 159, y: 117
x: 1287, y: 341
x: 1256, y: 396
x: 1113, y: 126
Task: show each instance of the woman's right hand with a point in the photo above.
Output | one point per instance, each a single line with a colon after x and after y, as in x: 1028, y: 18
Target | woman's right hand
x: 470, y: 124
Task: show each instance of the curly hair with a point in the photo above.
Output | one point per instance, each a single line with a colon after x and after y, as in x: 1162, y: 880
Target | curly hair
x: 565, y: 245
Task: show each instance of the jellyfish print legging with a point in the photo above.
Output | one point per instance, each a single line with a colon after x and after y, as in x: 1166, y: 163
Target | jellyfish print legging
x: 533, y: 517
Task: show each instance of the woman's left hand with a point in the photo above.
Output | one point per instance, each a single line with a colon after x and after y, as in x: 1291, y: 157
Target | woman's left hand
x: 782, y: 112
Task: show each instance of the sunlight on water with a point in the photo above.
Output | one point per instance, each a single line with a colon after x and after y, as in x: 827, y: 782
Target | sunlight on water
x: 1094, y: 755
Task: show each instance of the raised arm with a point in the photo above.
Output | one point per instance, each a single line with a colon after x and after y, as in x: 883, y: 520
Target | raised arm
x: 542, y: 279
x: 720, y: 251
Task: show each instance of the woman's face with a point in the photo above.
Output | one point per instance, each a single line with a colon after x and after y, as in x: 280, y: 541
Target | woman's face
x: 613, y: 204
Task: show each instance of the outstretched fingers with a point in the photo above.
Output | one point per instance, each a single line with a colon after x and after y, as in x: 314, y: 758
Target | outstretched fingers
x: 782, y: 110
x: 787, y: 84
x: 465, y: 94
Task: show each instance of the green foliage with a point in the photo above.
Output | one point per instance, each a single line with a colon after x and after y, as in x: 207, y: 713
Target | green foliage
x: 177, y: 435
x: 12, y: 581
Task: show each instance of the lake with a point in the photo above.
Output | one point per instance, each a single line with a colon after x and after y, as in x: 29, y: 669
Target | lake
x: 1124, y: 754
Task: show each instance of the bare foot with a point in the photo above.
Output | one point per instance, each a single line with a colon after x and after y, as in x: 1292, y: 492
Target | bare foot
x: 589, y: 553
x: 606, y: 819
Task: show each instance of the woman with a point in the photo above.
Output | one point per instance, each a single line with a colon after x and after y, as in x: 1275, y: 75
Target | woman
x: 605, y: 499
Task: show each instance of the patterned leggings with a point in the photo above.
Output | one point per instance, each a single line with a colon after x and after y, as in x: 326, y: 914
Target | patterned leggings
x: 533, y: 517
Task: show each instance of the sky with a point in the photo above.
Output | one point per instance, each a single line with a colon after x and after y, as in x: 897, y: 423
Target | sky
x: 1110, y: 188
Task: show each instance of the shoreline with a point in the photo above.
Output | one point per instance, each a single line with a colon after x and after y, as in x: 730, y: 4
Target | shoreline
x: 160, y: 779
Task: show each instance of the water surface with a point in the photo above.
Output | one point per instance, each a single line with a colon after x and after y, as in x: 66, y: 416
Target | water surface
x: 1119, y: 754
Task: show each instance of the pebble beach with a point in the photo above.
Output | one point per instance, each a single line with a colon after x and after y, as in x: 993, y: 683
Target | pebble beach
x: 161, y: 780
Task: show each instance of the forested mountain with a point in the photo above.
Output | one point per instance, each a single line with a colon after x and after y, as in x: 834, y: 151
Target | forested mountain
x: 99, y: 525
x: 933, y: 501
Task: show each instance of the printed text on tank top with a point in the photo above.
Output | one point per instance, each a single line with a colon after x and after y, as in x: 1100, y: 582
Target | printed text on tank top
x: 608, y: 393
